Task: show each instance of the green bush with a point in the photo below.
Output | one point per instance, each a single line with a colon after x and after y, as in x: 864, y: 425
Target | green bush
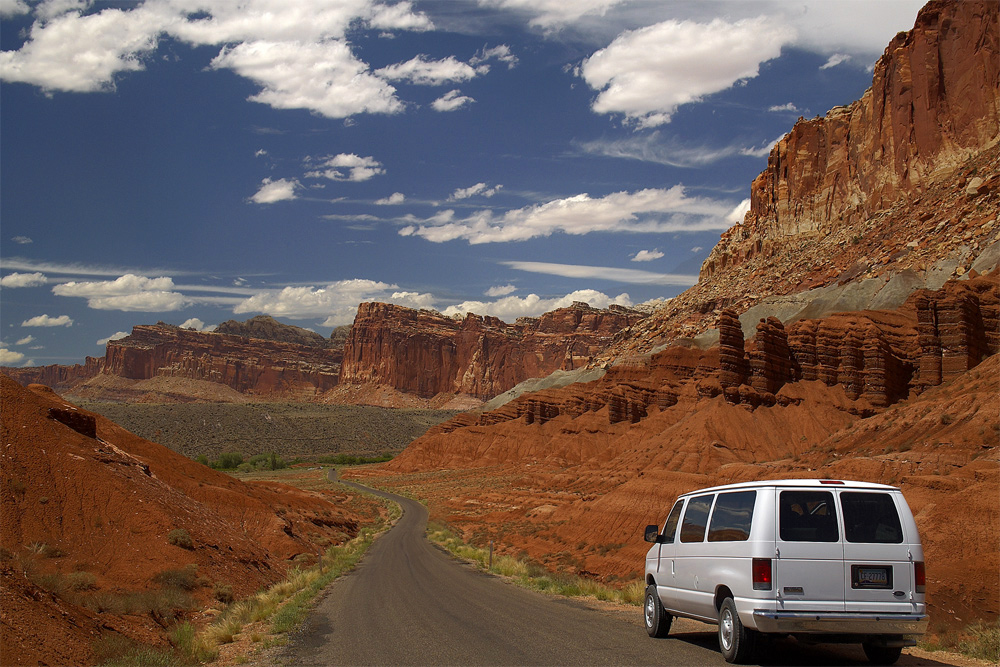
x: 202, y: 459
x: 351, y: 460
x: 222, y: 592
x: 228, y: 461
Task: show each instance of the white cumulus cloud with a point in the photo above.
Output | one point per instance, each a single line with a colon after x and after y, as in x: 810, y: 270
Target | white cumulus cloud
x: 393, y: 199
x: 650, y: 211
x: 500, y: 290
x: 115, y: 336
x: 615, y: 274
x: 509, y: 308
x: 322, y: 77
x: 25, y: 340
x: 48, y: 321
x: 424, y: 72
x: 197, y: 324
x: 646, y: 74
x: 23, y: 280
x: 127, y: 293
x: 8, y: 357
x: 480, y: 189
x: 345, y: 167
x: 647, y: 255
x: 451, y: 101
x: 272, y: 191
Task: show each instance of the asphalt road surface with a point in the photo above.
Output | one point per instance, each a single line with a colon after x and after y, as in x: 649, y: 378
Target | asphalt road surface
x: 410, y: 603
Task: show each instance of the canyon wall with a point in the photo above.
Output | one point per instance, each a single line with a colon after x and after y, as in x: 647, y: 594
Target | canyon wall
x: 933, y: 105
x: 248, y: 365
x: 425, y: 353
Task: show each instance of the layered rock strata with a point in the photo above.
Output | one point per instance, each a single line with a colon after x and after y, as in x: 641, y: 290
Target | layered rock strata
x: 424, y: 353
x: 248, y: 365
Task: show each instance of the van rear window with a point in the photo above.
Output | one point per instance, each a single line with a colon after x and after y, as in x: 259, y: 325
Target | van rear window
x: 871, y: 518
x: 732, y: 516
x: 807, y: 516
x: 696, y: 519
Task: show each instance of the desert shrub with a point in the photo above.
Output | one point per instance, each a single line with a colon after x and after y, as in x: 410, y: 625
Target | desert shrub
x: 181, y: 538
x: 222, y: 592
x: 115, y: 650
x: 228, y: 461
x: 265, y: 462
x: 164, y: 603
x: 202, y: 459
x: 982, y: 642
x: 81, y: 581
x: 351, y: 460
x: 185, y: 578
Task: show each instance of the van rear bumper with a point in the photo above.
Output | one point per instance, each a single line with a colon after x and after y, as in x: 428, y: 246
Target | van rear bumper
x: 836, y: 623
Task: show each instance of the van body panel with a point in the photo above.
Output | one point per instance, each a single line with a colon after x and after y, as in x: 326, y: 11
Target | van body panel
x: 841, y: 558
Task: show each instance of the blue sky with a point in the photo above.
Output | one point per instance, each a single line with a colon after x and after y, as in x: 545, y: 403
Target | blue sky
x: 194, y: 161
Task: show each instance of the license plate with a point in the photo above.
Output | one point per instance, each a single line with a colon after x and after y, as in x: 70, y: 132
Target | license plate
x: 869, y: 576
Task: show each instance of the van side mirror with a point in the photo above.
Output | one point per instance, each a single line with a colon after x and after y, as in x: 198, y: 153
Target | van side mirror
x: 652, y: 533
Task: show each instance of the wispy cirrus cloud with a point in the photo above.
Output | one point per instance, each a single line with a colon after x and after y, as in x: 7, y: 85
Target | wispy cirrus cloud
x: 634, y: 276
x: 658, y: 148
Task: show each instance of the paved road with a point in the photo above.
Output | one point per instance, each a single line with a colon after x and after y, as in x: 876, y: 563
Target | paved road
x: 409, y: 603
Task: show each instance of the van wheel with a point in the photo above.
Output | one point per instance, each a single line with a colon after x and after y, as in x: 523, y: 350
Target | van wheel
x: 882, y: 655
x: 735, y: 641
x: 656, y: 617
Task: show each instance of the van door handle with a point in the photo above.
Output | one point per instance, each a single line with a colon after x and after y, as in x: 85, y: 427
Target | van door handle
x: 672, y: 571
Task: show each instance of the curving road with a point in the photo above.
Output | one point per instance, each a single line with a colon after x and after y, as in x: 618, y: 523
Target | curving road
x: 410, y: 603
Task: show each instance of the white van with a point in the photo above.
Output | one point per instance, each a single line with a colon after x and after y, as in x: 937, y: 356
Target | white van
x: 824, y: 560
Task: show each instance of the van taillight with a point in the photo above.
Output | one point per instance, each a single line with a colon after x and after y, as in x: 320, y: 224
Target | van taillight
x: 762, y: 574
x: 919, y: 576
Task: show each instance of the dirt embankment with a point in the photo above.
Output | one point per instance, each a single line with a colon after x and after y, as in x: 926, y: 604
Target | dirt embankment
x: 104, y: 533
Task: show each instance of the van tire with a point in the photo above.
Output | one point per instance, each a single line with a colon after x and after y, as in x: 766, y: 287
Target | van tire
x: 735, y: 641
x: 656, y: 618
x: 882, y: 655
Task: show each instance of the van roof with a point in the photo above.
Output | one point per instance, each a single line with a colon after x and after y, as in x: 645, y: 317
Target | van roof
x: 798, y: 483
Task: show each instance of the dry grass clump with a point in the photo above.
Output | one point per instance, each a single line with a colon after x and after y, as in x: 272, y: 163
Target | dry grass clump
x: 530, y: 575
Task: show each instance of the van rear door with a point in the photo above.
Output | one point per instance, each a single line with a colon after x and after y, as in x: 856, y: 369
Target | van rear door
x: 878, y: 572
x: 809, y: 565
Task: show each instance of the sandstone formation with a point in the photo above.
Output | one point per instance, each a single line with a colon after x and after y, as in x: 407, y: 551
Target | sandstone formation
x: 56, y: 375
x: 932, y: 106
x: 425, y: 353
x: 265, y: 327
x: 903, y: 182
x: 248, y: 365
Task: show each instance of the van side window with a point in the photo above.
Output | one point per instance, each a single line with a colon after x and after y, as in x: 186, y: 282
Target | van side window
x: 670, y: 527
x: 732, y: 516
x: 807, y: 516
x: 696, y: 518
x: 871, y: 518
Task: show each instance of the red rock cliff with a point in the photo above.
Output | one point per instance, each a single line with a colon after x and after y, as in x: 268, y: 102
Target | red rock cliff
x: 934, y: 103
x: 426, y: 353
x: 248, y: 365
x: 57, y: 376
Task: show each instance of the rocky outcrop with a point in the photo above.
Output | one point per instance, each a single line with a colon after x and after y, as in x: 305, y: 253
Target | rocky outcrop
x: 57, y: 376
x: 933, y: 105
x: 248, y: 365
x: 424, y: 353
x: 265, y: 327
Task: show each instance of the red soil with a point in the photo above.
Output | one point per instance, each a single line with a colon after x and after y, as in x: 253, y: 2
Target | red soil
x: 105, y: 505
